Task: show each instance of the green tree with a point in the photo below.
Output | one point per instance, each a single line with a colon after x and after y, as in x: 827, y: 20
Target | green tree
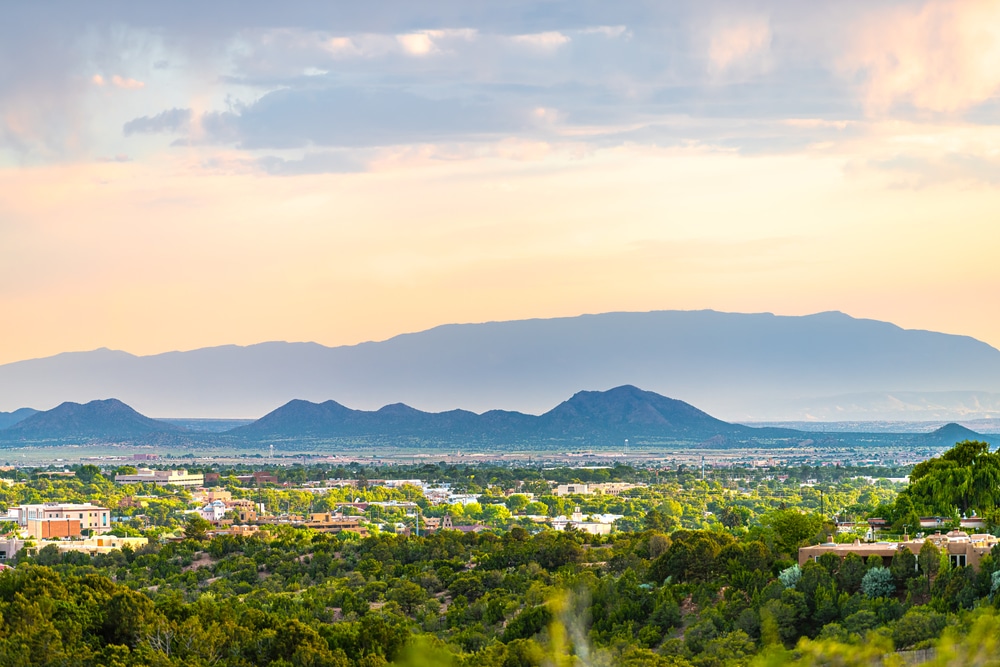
x: 196, y: 528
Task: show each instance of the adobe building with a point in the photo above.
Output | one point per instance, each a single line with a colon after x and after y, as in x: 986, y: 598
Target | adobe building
x: 51, y: 520
x: 963, y: 550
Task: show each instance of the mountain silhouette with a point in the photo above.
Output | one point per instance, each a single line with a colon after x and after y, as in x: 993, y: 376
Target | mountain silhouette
x: 949, y: 434
x: 11, y: 418
x: 740, y: 367
x: 105, y: 419
x: 603, y: 417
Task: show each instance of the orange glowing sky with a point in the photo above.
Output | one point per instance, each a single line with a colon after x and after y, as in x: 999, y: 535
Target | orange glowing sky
x: 326, y: 175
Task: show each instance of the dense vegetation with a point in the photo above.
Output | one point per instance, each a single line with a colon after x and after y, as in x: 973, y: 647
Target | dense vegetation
x: 701, y: 572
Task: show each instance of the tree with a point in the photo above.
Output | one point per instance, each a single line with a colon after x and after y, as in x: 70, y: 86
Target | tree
x: 790, y: 576
x: 517, y: 502
x: 734, y: 516
x: 87, y: 473
x: 878, y: 583
x: 196, y: 527
x: 792, y: 529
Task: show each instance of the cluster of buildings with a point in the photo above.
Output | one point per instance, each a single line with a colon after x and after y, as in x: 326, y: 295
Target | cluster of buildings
x: 80, y: 527
x: 595, y: 524
x: 962, y: 548
x: 55, y: 520
x: 606, y: 488
x: 84, y: 527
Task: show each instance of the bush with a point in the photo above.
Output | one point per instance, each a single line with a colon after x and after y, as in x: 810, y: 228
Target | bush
x: 790, y: 576
x: 878, y: 583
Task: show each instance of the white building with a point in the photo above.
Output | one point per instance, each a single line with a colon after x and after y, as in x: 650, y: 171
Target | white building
x: 214, y: 511
x: 162, y: 478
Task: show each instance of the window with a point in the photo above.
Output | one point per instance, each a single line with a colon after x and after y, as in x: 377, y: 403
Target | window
x: 957, y: 560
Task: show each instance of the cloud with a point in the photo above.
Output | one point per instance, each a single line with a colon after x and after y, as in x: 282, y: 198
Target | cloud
x: 940, y: 57
x: 609, y: 31
x: 734, y: 46
x: 349, y: 116
x: 165, y: 122
x: 416, y: 44
x: 542, y: 41
x: 126, y: 84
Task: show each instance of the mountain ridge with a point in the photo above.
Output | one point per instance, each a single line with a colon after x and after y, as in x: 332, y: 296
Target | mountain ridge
x: 596, y: 416
x: 108, y: 419
x: 741, y: 367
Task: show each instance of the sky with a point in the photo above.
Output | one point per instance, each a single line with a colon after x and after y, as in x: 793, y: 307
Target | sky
x: 181, y: 175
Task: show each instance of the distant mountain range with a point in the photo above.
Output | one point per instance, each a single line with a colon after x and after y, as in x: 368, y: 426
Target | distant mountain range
x: 741, y: 367
x: 607, y: 417
x: 11, y: 418
x: 589, y: 419
x: 108, y: 420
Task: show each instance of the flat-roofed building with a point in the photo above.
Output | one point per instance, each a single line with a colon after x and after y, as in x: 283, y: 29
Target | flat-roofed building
x: 334, y: 523
x: 98, y: 545
x: 162, y: 478
x: 961, y: 548
x: 61, y: 519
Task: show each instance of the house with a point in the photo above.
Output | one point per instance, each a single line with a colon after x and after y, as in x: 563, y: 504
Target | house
x: 211, y: 495
x: 934, y: 522
x: 213, y: 511
x: 97, y: 545
x: 973, y: 523
x: 961, y: 548
x: 597, y: 525
x: 432, y: 524
x: 334, y: 523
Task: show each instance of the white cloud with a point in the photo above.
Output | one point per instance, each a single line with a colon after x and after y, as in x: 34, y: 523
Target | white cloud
x: 542, y: 41
x: 609, y: 31
x: 416, y: 43
x: 942, y: 56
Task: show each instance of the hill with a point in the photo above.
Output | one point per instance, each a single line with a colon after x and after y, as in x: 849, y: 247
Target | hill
x: 949, y: 434
x: 736, y: 366
x: 11, y: 418
x: 589, y: 417
x: 109, y: 420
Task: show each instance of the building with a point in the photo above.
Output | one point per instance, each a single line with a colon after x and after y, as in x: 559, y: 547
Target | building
x: 258, y: 478
x: 572, y: 489
x: 335, y: 523
x: 934, y: 522
x: 211, y: 496
x: 61, y: 519
x: 162, y: 478
x: 597, y: 525
x: 973, y: 523
x: 97, y: 545
x: 213, y: 511
x: 9, y: 547
x: 433, y: 524
x: 962, y: 549
x: 608, y: 488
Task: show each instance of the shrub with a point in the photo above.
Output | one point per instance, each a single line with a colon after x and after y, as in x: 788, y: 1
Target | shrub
x: 878, y: 583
